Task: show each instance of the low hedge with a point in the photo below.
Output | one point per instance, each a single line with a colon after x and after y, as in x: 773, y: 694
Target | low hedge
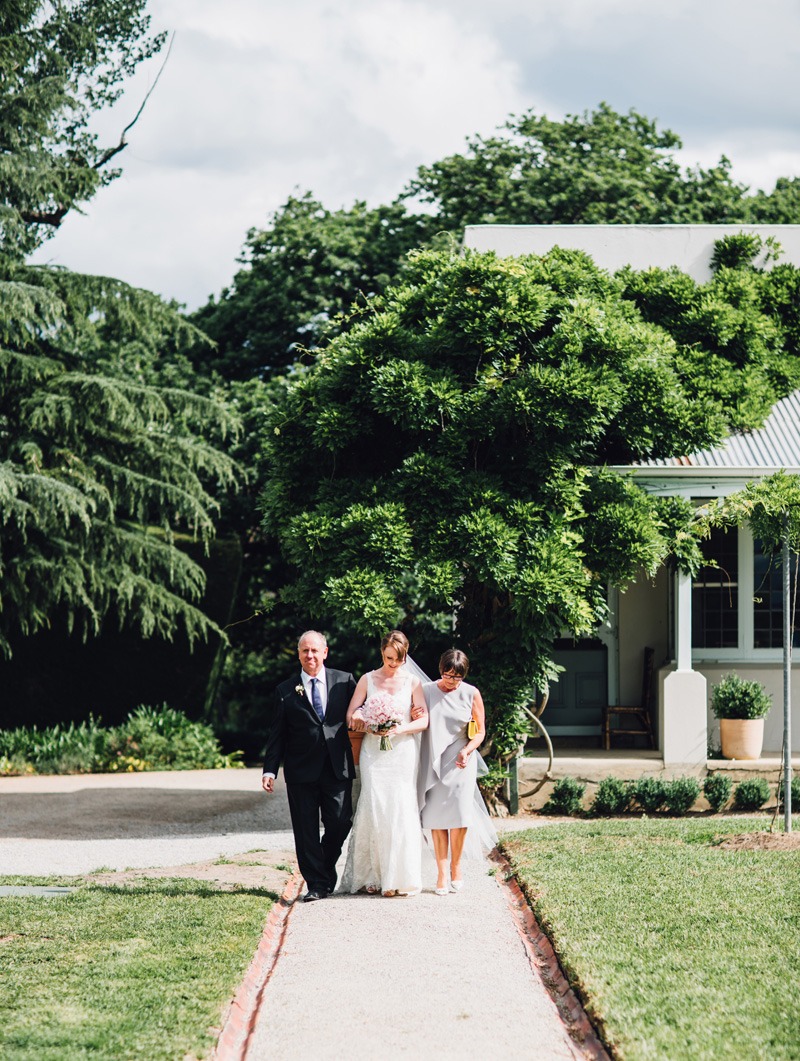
x: 655, y: 795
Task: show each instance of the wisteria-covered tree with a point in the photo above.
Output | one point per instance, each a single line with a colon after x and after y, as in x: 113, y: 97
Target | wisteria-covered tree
x: 450, y: 454
x: 436, y: 460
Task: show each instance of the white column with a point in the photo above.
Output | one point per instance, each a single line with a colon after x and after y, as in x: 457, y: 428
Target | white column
x: 683, y: 621
x: 684, y: 726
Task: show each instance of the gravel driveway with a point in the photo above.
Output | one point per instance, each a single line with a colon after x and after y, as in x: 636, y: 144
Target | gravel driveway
x: 77, y: 824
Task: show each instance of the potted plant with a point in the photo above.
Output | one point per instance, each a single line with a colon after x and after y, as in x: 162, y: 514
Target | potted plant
x: 740, y: 706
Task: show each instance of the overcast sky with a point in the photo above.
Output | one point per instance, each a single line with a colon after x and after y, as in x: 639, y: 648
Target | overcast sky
x: 264, y: 98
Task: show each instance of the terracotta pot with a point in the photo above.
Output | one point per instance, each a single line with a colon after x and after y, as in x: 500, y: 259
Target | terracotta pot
x: 742, y: 738
x: 355, y: 744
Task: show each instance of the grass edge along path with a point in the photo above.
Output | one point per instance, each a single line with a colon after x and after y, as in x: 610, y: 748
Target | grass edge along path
x: 114, y: 972
x: 677, y: 948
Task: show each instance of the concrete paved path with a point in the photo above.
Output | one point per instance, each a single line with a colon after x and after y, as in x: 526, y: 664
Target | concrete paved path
x: 363, y: 977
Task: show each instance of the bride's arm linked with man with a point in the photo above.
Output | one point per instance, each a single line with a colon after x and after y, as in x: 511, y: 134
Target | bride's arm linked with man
x: 407, y: 784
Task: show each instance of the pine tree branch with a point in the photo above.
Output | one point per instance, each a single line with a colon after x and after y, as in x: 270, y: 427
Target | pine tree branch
x: 56, y: 216
x: 123, y: 143
x: 45, y: 217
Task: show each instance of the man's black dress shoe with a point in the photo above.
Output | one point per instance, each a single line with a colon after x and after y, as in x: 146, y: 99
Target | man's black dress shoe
x: 311, y: 897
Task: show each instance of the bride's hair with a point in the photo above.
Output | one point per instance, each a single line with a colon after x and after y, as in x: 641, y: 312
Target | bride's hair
x: 456, y: 661
x: 398, y: 641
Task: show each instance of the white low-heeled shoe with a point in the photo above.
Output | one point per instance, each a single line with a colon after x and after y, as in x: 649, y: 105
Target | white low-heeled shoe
x: 456, y: 885
x: 441, y: 891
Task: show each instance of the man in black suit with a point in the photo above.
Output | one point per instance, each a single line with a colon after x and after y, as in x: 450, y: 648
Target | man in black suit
x: 308, y: 735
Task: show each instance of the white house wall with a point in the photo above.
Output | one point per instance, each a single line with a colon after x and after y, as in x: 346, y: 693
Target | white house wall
x: 643, y: 619
x: 642, y: 246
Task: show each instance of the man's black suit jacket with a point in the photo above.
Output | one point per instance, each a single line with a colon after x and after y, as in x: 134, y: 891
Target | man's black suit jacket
x: 300, y: 742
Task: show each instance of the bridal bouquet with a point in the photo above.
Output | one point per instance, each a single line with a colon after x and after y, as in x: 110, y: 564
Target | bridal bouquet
x: 380, y: 715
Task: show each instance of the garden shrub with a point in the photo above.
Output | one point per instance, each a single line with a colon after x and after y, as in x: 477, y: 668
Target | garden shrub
x: 649, y: 793
x: 163, y: 738
x: 613, y: 796
x: 59, y: 749
x: 735, y: 697
x: 565, y: 798
x: 794, y: 788
x: 680, y: 794
x: 151, y: 739
x: 751, y: 794
x: 717, y: 790
x: 14, y: 766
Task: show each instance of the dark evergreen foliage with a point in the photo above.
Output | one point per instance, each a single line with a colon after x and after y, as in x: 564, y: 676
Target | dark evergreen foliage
x: 105, y: 452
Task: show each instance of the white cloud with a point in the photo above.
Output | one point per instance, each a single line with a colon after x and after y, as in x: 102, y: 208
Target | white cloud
x: 261, y: 98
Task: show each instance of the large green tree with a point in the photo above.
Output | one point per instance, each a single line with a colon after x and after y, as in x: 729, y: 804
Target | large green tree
x: 105, y: 454
x: 595, y: 168
x: 447, y: 457
x: 308, y: 267
x: 100, y: 462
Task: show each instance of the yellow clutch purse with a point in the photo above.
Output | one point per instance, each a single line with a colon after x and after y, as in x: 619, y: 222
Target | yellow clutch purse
x: 472, y: 729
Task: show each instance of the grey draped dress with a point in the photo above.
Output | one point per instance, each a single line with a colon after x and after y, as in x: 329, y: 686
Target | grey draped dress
x: 449, y: 796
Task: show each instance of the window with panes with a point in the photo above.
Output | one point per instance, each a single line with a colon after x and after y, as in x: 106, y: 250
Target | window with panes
x: 768, y: 598
x: 715, y: 593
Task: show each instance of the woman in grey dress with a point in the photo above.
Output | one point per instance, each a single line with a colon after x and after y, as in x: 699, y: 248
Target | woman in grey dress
x: 449, y: 797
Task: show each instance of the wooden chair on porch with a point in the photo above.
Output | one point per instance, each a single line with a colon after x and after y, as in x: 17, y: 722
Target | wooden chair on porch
x: 629, y: 715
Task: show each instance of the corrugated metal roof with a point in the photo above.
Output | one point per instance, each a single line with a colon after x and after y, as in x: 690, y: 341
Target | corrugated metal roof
x: 775, y: 445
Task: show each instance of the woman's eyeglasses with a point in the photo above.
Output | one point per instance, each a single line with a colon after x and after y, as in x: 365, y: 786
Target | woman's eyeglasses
x: 453, y: 678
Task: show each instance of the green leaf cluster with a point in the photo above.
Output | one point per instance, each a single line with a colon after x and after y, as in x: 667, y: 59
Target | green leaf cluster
x: 592, y: 168
x: 736, y: 335
x: 771, y: 507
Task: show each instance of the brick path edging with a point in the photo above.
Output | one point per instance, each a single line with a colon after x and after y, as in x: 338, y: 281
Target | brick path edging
x: 545, y: 963
x: 240, y: 1019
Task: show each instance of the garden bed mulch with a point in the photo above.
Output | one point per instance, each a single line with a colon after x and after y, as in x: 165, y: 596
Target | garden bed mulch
x: 761, y: 841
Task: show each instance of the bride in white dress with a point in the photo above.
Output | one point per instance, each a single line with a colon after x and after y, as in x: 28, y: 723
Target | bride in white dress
x: 385, y: 849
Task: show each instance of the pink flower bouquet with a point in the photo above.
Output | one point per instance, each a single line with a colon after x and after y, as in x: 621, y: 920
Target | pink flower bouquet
x: 380, y: 715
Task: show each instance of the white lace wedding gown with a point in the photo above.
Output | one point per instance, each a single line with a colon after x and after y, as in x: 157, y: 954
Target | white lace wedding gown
x: 385, y: 849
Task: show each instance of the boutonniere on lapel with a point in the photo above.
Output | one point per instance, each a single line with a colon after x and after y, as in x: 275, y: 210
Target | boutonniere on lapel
x: 299, y: 689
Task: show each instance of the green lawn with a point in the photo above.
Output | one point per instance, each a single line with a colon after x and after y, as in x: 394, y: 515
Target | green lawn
x: 112, y: 973
x: 679, y: 949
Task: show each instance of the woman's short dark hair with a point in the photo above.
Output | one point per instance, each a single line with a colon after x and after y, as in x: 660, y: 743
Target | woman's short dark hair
x: 398, y: 641
x: 455, y: 661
